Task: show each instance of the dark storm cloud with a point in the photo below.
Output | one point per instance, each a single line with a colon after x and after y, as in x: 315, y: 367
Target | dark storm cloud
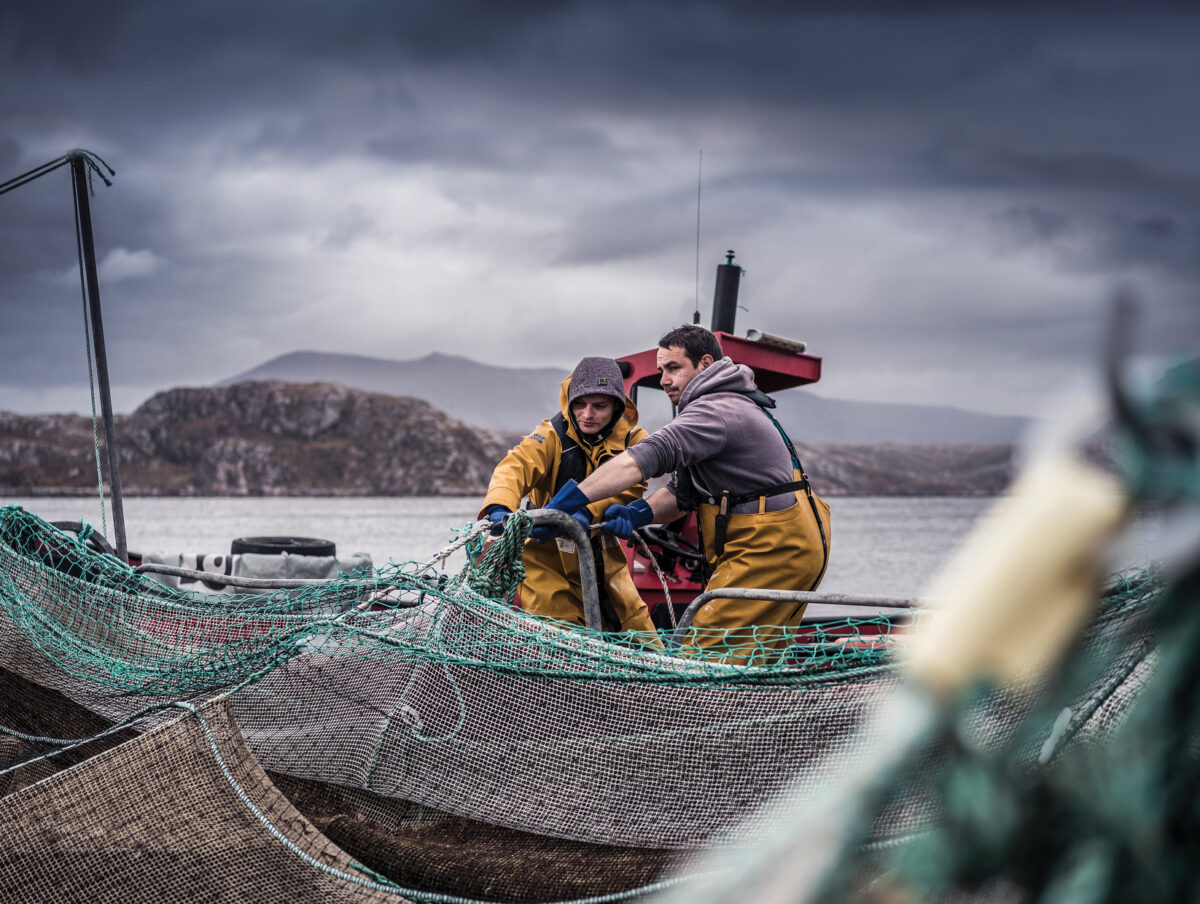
x: 1030, y: 224
x: 1155, y: 241
x: 523, y: 145
x: 185, y: 65
x: 1079, y: 171
x: 1041, y: 138
x: 193, y: 61
x: 37, y: 238
x: 36, y: 228
x: 348, y: 227
x: 654, y: 223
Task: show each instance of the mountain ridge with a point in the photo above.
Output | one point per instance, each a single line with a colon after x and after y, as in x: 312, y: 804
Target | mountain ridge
x: 266, y: 438
x: 514, y: 399
x: 276, y: 438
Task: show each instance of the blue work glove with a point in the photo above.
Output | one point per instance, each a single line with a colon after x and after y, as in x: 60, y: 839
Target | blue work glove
x: 568, y: 500
x: 623, y: 520
x: 495, y: 513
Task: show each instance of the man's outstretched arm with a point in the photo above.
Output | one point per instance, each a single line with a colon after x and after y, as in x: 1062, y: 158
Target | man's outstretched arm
x: 665, y: 507
x: 618, y: 474
x: 612, y: 477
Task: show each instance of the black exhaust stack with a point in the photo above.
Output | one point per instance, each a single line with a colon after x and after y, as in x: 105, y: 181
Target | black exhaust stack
x: 725, y: 295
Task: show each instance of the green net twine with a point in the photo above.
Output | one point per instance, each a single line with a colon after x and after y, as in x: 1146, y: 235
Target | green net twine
x: 502, y: 569
x: 101, y: 622
x: 1157, y: 444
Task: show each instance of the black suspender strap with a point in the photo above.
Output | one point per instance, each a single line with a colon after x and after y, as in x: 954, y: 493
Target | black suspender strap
x: 726, y: 501
x: 777, y: 490
x: 573, y: 462
x: 812, y: 503
x: 573, y: 465
x: 807, y: 491
x: 787, y: 440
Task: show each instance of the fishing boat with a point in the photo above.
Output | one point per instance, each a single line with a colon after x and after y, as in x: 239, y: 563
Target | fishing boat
x: 666, y: 561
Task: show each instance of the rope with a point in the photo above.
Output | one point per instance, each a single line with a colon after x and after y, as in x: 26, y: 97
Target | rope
x: 662, y: 578
x: 503, y: 569
x: 88, y: 157
x: 270, y: 826
x: 471, y: 533
x: 65, y: 744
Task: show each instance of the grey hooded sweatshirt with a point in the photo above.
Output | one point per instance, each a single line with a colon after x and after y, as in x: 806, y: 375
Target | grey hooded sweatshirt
x: 725, y: 438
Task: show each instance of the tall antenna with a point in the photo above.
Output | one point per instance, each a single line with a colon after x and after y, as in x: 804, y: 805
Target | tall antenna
x: 699, y: 173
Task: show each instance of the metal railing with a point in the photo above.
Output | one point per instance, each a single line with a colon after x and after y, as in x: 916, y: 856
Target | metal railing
x: 230, y: 580
x: 591, y: 601
x: 785, y: 596
x: 587, y: 565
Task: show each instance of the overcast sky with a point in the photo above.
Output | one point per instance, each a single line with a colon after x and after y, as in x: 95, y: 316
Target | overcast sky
x: 939, y: 201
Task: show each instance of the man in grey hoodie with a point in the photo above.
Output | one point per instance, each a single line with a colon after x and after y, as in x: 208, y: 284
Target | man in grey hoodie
x: 759, y: 525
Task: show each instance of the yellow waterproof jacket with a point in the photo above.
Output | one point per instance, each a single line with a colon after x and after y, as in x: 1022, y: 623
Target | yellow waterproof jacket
x: 551, y: 586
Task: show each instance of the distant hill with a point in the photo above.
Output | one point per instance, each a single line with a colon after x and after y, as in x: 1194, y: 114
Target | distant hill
x: 276, y: 438
x: 515, y: 398
x: 496, y: 398
x: 820, y: 420
x: 838, y: 469
x: 268, y: 438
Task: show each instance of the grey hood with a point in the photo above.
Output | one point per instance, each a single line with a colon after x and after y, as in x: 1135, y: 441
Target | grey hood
x: 720, y: 376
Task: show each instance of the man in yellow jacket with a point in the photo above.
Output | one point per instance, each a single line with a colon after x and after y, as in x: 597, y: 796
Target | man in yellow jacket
x: 596, y: 422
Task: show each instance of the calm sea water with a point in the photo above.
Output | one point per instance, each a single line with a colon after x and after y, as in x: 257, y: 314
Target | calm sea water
x: 882, y: 546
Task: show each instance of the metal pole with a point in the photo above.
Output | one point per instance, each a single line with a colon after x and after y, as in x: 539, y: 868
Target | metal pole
x: 786, y: 596
x: 79, y: 174
x: 587, y: 566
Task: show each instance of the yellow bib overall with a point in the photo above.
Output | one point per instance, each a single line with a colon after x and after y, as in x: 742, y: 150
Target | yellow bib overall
x: 779, y: 550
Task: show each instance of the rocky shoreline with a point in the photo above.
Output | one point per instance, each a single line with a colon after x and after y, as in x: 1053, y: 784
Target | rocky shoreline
x: 274, y: 438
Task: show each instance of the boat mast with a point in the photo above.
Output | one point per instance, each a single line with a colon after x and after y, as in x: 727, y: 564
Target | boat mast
x: 79, y: 175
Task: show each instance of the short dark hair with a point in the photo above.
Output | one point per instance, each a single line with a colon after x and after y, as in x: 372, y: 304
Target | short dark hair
x: 695, y: 341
